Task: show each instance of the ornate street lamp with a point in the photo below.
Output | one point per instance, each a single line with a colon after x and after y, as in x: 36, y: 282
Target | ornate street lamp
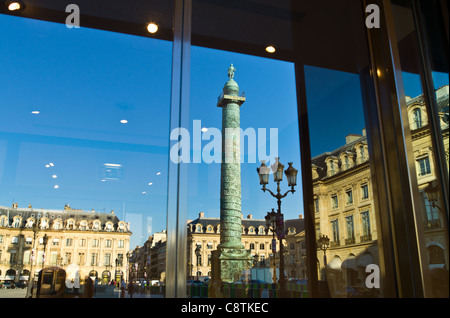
x: 324, y: 242
x: 276, y: 219
x: 198, y: 253
x: 432, y: 194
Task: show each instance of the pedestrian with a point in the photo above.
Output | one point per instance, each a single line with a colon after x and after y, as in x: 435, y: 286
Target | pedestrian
x: 130, y: 289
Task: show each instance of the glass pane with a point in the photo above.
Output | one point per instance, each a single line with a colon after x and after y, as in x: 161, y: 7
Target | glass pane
x: 83, y: 157
x: 345, y: 215
x: 218, y: 193
x: 249, y: 80
x: 430, y: 212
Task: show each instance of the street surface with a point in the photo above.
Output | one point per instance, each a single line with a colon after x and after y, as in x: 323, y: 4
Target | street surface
x: 20, y: 293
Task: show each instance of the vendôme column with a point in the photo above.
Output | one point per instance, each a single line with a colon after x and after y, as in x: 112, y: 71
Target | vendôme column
x: 230, y: 258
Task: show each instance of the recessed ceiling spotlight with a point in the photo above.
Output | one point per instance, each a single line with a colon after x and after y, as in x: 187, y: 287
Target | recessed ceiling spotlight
x: 124, y: 121
x: 158, y: 173
x: 270, y: 49
x: 15, y: 5
x: 56, y: 186
x: 150, y: 183
x: 35, y: 112
x: 54, y: 176
x: 152, y: 27
x: 204, y: 129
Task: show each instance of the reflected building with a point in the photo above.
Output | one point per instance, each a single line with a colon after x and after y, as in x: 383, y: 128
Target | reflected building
x: 344, y: 207
x: 204, y: 237
x: 148, y: 262
x: 95, y: 243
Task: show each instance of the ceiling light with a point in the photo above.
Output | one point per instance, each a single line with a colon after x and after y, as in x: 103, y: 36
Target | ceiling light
x: 124, y: 121
x: 54, y: 176
x: 56, y: 186
x: 112, y: 165
x: 204, y: 129
x: 15, y: 5
x: 150, y: 183
x: 158, y: 173
x: 35, y: 112
x: 270, y: 49
x: 152, y: 27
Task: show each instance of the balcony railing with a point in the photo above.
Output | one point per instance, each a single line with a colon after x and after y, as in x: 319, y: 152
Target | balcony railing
x: 335, y: 243
x: 366, y: 238
x: 350, y: 240
x: 432, y: 224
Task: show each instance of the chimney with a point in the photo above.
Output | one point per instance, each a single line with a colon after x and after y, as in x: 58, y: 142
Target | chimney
x: 201, y: 215
x: 249, y: 216
x: 300, y: 216
x: 351, y: 137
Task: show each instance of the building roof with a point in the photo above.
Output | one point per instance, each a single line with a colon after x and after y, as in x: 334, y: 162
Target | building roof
x: 298, y: 224
x: 65, y: 214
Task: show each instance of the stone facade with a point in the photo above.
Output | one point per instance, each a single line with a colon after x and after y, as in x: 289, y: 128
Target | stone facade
x: 205, y: 233
x: 96, y: 243
x: 344, y: 207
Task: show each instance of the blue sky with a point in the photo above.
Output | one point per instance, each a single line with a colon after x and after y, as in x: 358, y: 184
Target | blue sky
x: 84, y: 82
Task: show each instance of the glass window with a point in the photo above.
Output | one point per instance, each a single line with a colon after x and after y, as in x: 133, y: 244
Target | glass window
x: 90, y: 125
x: 424, y: 166
x: 335, y: 232
x: 349, y: 195
x: 421, y: 34
x: 350, y: 230
x: 364, y: 191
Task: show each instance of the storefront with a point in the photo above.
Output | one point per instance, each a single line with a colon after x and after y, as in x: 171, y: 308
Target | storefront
x: 128, y: 102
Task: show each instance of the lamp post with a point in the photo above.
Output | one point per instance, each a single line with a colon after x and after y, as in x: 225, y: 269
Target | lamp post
x: 271, y: 225
x: 33, y: 252
x: 291, y: 175
x: 432, y: 194
x: 197, y: 253
x: 44, y: 241
x: 128, y: 267
x: 324, y: 243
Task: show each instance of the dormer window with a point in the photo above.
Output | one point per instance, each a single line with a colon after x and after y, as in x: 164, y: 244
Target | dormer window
x: 417, y: 118
x: 16, y: 223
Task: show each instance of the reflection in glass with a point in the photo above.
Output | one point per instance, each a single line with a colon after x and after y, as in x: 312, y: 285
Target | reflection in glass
x: 83, y: 133
x: 342, y: 179
x: 426, y: 156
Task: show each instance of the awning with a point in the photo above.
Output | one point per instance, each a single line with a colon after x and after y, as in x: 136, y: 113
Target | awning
x: 9, y: 277
x: 349, y: 263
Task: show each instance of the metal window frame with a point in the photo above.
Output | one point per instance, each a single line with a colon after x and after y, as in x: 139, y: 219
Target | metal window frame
x: 178, y: 173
